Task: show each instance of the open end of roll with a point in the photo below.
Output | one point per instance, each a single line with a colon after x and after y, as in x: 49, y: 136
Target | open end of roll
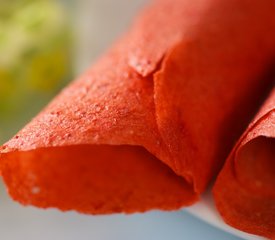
x: 94, y: 179
x: 255, y: 166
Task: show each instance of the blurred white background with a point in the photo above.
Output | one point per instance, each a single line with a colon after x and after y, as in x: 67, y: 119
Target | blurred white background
x: 98, y: 24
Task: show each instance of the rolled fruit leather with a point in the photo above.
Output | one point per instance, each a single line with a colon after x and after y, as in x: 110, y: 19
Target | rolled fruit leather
x: 245, y: 189
x: 150, y: 123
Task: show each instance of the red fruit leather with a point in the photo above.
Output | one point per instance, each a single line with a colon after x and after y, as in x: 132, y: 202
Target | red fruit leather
x: 151, y: 122
x: 245, y: 189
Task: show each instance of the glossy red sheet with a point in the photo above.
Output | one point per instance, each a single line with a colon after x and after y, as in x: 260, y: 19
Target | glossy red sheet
x: 150, y: 123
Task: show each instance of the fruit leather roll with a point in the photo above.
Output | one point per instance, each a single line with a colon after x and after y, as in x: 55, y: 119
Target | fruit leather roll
x: 245, y: 189
x: 150, y: 123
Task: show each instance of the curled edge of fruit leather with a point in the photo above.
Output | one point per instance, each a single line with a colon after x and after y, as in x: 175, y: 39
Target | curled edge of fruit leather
x: 244, y: 191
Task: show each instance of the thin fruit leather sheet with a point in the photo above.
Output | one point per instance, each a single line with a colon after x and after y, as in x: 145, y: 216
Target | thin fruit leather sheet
x: 150, y: 123
x: 245, y: 189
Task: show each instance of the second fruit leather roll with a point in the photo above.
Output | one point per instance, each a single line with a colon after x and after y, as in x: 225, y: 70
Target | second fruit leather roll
x: 244, y: 191
x: 152, y: 121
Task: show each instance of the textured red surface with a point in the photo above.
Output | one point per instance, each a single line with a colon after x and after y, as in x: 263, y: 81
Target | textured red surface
x: 244, y: 191
x: 150, y: 123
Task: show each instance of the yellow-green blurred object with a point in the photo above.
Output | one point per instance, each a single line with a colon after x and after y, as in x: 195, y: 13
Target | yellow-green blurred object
x: 35, y: 58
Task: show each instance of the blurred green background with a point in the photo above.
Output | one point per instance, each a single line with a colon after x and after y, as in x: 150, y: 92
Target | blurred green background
x: 36, y: 42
